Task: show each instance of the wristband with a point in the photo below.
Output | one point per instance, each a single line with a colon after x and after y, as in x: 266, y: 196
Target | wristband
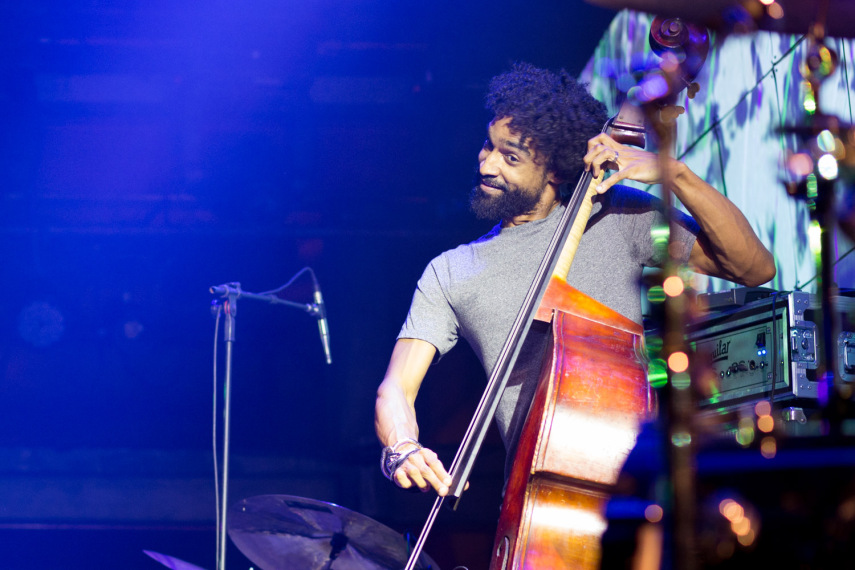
x: 391, y: 459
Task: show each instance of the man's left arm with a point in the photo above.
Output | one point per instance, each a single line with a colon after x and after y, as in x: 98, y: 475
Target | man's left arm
x: 726, y: 247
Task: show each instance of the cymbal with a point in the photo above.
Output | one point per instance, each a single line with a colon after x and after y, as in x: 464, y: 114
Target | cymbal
x: 282, y: 532
x: 715, y: 14
x: 172, y: 562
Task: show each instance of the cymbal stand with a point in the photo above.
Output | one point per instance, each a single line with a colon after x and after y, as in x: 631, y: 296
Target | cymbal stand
x: 231, y: 292
x: 683, y: 48
x: 677, y: 413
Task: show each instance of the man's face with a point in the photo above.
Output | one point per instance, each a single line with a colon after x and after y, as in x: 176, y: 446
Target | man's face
x: 510, y: 181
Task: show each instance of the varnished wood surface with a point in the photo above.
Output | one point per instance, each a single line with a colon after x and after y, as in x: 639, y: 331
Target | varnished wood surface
x: 559, y: 296
x: 584, y: 419
x: 591, y: 398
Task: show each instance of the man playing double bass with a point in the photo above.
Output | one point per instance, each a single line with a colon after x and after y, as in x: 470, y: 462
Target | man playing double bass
x: 545, y: 130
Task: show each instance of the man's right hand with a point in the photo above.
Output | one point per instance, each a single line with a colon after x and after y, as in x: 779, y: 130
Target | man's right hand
x: 395, y: 417
x: 423, y: 470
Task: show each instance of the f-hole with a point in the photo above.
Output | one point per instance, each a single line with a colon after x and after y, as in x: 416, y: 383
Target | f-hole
x: 502, y: 552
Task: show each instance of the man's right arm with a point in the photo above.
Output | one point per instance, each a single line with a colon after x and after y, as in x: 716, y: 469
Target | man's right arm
x: 395, y: 415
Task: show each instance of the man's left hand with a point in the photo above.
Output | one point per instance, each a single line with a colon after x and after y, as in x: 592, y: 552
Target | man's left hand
x: 605, y: 153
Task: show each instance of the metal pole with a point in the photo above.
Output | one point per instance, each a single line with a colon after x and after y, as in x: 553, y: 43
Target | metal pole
x: 232, y: 291
x: 231, y: 311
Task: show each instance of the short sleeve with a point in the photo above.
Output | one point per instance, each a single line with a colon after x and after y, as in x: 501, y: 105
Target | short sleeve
x: 431, y: 317
x: 644, y: 212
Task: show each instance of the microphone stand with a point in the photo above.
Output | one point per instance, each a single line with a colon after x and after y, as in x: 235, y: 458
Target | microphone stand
x: 231, y: 292
x: 683, y: 48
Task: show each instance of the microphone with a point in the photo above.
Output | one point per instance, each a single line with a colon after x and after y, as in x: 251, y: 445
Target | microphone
x: 225, y: 289
x: 323, y: 325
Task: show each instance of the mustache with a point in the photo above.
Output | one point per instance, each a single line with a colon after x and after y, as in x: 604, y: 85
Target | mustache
x: 491, y: 181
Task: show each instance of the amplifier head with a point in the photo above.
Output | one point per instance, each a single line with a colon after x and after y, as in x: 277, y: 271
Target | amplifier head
x: 768, y: 348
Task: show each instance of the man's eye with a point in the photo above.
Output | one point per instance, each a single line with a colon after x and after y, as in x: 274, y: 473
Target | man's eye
x: 511, y: 158
x: 487, y: 145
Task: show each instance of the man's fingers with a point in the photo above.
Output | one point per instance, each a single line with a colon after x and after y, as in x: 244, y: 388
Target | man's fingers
x: 627, y: 163
x: 435, y: 473
x: 601, y: 139
x: 425, y: 471
x: 435, y: 465
x: 415, y: 475
x: 600, y: 157
x: 401, y: 478
x: 421, y: 467
x: 612, y: 180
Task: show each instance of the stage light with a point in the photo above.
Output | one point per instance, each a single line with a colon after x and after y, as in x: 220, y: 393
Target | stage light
x: 763, y: 408
x: 681, y: 381
x: 826, y: 141
x: 827, y: 166
x: 775, y: 11
x: 814, y: 234
x: 741, y: 527
x: 657, y: 375
x: 731, y: 510
x: 653, y: 513
x: 800, y: 164
x: 747, y: 539
x: 681, y: 439
x: 673, y: 286
x: 808, y: 98
x: 765, y: 424
x: 745, y: 432
x: 768, y: 447
x: 656, y: 294
x: 678, y: 362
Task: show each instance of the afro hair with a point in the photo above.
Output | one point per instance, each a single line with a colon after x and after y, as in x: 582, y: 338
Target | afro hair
x: 553, y: 110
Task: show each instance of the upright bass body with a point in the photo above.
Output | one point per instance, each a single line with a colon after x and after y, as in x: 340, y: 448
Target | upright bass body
x: 590, y: 401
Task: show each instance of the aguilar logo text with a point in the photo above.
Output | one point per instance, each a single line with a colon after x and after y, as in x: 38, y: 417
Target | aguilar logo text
x: 720, y: 351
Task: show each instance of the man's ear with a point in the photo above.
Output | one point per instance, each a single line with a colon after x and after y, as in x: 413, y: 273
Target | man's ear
x: 554, y: 179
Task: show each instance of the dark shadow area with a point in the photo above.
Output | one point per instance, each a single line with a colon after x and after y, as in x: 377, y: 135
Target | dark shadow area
x: 153, y: 149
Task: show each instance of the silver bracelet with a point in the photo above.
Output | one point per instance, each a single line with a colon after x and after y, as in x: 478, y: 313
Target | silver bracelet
x: 391, y: 459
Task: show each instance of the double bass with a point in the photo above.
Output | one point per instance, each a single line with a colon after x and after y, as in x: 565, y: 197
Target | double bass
x: 591, y: 398
x: 592, y: 394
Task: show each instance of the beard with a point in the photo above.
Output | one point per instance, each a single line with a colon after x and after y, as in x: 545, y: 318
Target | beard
x: 512, y: 201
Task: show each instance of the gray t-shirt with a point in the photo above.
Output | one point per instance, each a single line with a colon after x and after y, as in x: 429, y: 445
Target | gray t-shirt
x: 475, y: 290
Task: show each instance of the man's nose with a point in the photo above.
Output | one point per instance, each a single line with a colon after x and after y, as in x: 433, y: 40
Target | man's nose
x: 489, y: 165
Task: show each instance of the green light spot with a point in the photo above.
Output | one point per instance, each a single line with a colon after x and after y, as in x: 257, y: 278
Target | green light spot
x: 715, y: 394
x: 656, y: 294
x: 827, y: 66
x: 744, y: 436
x: 809, y: 103
x: 825, y: 141
x: 657, y: 373
x: 660, y: 235
x: 654, y: 343
x: 811, y: 186
x: 681, y: 381
x: 815, y: 238
x: 681, y: 439
x: 745, y: 431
